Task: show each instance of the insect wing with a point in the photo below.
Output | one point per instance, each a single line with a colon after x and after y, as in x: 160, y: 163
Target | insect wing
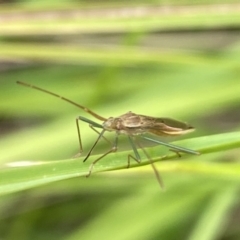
x: 165, y: 126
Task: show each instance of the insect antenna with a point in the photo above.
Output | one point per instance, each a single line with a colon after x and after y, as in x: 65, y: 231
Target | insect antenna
x: 65, y: 99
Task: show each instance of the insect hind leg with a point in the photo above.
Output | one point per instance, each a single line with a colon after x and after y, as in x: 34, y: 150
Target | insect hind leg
x: 176, y: 151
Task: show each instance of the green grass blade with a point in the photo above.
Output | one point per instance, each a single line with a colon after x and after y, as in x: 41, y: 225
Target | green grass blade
x: 21, y: 175
x: 214, y: 218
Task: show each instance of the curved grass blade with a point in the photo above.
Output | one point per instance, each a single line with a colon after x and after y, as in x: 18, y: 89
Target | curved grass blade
x: 22, y: 175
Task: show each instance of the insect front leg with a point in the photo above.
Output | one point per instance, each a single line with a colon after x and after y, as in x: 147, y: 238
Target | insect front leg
x: 79, y: 136
x: 92, y: 123
x: 96, y: 131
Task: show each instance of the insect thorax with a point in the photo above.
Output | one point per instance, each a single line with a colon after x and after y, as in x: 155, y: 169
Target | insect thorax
x: 128, y: 123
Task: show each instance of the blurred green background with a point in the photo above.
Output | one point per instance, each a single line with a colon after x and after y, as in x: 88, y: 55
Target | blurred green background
x: 178, y: 59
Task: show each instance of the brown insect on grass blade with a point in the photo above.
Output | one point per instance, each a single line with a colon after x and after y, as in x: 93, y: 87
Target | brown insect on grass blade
x: 129, y: 124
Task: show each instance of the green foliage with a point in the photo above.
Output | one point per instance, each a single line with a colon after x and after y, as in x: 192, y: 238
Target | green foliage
x: 44, y: 192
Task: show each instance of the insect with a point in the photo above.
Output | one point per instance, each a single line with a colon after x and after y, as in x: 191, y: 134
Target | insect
x: 132, y: 125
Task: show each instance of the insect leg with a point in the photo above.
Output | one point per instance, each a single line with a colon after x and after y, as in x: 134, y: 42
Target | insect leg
x: 94, y: 145
x: 95, y: 130
x: 175, y: 151
x: 113, y: 149
x: 159, y: 179
x: 137, y: 157
x: 172, y: 147
x: 78, y: 129
x: 79, y: 136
